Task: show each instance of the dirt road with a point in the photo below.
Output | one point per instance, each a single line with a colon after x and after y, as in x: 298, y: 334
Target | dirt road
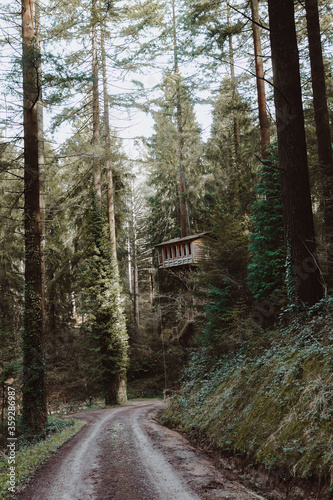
x: 123, y: 453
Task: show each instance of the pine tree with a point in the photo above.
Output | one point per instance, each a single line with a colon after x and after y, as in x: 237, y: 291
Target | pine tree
x: 223, y: 279
x: 233, y: 179
x: 267, y: 249
x: 164, y: 158
x: 34, y: 414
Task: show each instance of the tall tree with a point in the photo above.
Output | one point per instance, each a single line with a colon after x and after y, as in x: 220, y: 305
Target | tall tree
x: 34, y: 413
x: 107, y: 139
x: 106, y: 323
x: 184, y: 216
x: 95, y: 99
x: 237, y: 138
x: 263, y: 117
x: 41, y: 156
x: 323, y: 131
x: 296, y: 196
x: 164, y: 158
x: 119, y: 391
x: 267, y: 248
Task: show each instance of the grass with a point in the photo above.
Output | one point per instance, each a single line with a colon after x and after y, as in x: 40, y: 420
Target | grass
x: 30, y: 457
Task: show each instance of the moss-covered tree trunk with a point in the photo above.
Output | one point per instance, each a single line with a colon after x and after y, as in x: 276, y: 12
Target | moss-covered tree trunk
x: 116, y: 390
x: 34, y: 414
x: 296, y: 195
x: 118, y: 386
x: 107, y: 325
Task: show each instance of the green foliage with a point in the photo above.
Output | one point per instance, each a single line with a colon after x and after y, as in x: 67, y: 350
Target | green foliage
x: 267, y: 248
x: 217, y: 311
x: 231, y: 178
x: 164, y: 219
x: 223, y: 277
x: 271, y: 400
x: 11, y: 257
x: 106, y: 326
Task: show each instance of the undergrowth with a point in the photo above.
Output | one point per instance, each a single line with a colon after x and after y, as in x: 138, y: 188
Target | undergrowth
x: 271, y: 400
x: 29, y: 457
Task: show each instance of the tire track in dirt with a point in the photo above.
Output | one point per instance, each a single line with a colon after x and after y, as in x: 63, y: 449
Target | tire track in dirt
x: 123, y: 454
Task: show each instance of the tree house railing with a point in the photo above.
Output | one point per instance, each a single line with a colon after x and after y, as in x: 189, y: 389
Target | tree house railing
x: 180, y: 261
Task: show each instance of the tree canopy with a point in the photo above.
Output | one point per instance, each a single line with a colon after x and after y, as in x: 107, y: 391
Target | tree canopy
x: 128, y: 124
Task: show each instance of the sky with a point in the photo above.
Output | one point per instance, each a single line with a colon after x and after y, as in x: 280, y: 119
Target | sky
x: 129, y: 124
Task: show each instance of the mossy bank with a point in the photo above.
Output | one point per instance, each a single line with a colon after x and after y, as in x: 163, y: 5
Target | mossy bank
x: 270, y: 400
x: 30, y: 456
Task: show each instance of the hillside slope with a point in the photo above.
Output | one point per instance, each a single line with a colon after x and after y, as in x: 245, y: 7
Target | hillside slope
x: 270, y: 401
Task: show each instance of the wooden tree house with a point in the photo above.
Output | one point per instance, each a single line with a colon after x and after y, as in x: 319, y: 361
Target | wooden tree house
x: 186, y: 251
x: 183, y: 254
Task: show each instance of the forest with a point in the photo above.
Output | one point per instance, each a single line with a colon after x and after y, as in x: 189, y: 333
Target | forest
x: 166, y: 211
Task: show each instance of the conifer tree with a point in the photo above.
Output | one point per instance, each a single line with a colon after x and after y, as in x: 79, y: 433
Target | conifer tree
x: 107, y: 139
x: 233, y: 181
x: 323, y: 132
x: 184, y: 216
x: 223, y: 279
x: 262, y: 108
x: 267, y: 249
x: 296, y: 195
x: 34, y: 413
x: 164, y: 158
x: 95, y: 107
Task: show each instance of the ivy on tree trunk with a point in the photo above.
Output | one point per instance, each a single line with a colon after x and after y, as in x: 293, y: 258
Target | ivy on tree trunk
x: 34, y: 414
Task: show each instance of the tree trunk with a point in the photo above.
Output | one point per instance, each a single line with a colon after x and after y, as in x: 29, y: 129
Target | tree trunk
x: 322, y: 127
x: 184, y: 218
x: 263, y: 118
x: 109, y: 177
x: 116, y: 393
x: 296, y: 196
x: 96, y: 121
x: 34, y: 414
x: 111, y: 392
x: 121, y: 386
x: 136, y: 296
x: 134, y: 279
x: 41, y: 156
x: 237, y: 140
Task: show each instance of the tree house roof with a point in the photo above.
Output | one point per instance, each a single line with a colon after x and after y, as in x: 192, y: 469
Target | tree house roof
x: 180, y: 240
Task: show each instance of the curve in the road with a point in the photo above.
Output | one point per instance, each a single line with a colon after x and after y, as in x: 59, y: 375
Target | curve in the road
x: 78, y: 472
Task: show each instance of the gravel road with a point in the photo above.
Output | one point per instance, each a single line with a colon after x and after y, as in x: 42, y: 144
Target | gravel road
x: 123, y: 453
